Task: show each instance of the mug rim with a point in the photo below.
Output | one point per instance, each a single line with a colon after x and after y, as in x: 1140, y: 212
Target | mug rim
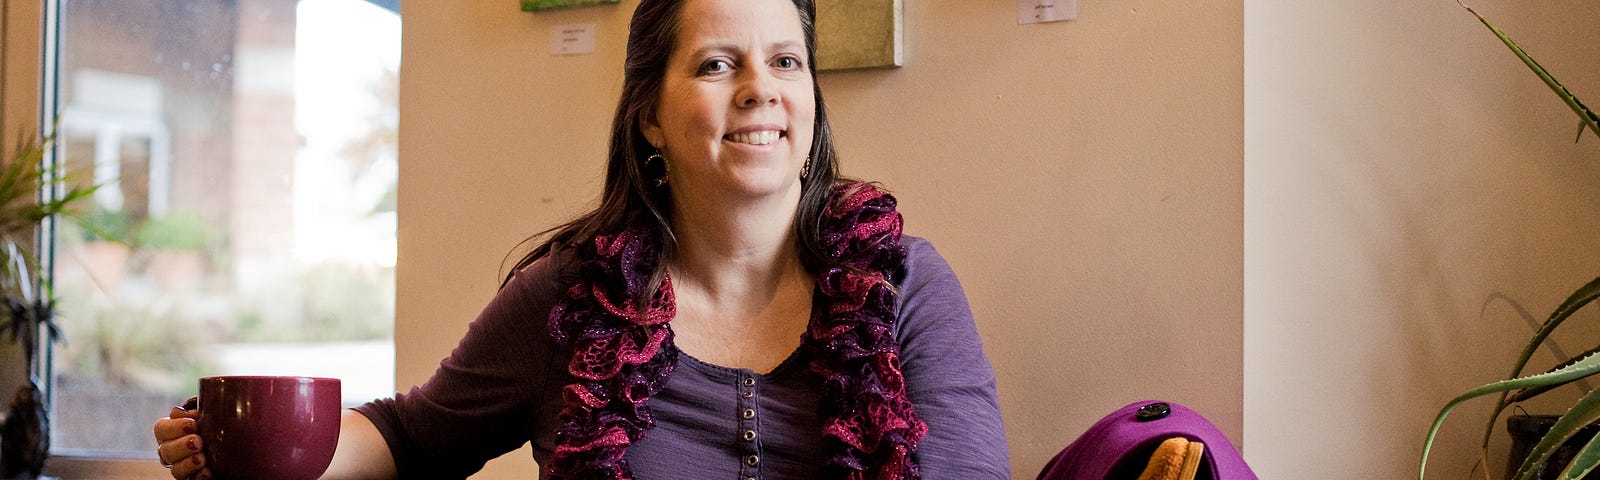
x: 269, y: 377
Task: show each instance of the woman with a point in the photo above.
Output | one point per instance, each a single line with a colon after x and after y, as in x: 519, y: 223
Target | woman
x: 723, y: 214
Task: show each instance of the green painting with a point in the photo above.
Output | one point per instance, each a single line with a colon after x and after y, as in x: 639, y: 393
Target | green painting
x: 854, y: 34
x: 536, y: 5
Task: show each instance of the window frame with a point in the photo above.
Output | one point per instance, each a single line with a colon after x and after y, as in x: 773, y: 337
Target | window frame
x: 28, y: 89
x: 30, y: 31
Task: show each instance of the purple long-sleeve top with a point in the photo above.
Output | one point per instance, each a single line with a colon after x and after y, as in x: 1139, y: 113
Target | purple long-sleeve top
x: 501, y: 386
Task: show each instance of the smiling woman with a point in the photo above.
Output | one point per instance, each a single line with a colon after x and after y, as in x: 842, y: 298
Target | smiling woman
x: 762, y: 259
x: 731, y: 299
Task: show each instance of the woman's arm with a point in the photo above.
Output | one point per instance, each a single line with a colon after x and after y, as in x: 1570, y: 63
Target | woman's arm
x: 948, y: 377
x: 481, y: 403
x: 362, y: 453
x: 486, y: 398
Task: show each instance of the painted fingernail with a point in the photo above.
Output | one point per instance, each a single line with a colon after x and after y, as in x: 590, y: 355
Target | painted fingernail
x: 192, y: 446
x: 188, y: 427
x: 206, y: 475
x: 197, y: 460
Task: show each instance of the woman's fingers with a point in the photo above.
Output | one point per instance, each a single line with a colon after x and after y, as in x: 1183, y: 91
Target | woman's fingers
x: 178, y: 446
x: 193, y: 467
x: 173, y: 427
x: 178, y: 450
x: 187, y: 410
x: 182, y: 455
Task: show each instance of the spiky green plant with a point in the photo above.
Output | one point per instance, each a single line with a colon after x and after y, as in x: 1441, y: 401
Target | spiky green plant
x: 1587, y: 409
x: 22, y: 210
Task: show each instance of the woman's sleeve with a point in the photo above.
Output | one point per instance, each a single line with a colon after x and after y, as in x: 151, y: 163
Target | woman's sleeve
x: 947, y: 375
x: 483, y: 400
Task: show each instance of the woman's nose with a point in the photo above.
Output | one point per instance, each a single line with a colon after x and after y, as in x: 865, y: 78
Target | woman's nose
x: 758, y: 89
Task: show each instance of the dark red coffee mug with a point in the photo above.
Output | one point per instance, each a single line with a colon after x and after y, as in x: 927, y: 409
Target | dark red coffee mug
x: 258, y: 428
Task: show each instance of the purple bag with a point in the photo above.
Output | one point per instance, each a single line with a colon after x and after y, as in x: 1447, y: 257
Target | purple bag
x: 1119, y: 445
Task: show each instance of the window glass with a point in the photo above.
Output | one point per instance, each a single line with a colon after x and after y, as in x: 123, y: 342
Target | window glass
x: 245, y: 220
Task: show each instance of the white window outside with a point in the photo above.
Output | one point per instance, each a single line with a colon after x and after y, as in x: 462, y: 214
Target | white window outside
x: 245, y: 222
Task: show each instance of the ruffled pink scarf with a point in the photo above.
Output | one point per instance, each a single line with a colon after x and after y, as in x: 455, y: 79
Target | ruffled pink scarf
x: 622, y: 353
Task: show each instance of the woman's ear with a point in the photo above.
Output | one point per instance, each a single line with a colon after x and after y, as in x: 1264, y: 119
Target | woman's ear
x: 651, y: 128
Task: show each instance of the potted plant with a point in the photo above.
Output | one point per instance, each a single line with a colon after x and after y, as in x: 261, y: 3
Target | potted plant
x: 27, y: 317
x: 176, y: 243
x: 1519, y: 387
x: 96, y: 248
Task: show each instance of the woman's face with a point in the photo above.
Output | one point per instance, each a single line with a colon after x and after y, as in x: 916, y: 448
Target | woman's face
x: 737, y: 107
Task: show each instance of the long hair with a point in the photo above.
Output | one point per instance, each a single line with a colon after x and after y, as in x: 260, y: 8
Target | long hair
x: 631, y: 198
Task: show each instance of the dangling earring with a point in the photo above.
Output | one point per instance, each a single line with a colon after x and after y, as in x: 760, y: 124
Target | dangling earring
x: 805, y: 170
x: 665, y: 166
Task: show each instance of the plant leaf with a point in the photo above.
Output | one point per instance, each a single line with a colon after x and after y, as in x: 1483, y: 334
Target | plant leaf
x: 1583, y: 296
x: 1583, y: 462
x: 1589, y: 118
x: 1526, y: 394
x: 1583, y: 413
x: 1583, y: 368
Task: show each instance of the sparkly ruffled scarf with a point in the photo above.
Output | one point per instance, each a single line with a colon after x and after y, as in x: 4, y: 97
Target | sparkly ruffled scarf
x: 622, y: 353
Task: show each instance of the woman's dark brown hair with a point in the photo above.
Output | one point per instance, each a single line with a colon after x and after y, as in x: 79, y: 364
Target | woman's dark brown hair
x: 631, y: 197
x: 622, y: 351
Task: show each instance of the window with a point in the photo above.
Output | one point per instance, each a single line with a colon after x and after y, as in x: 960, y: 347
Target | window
x: 245, y: 152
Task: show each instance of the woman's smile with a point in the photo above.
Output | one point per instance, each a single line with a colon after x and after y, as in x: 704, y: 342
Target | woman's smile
x: 755, y: 138
x: 759, y: 137
x: 737, y: 107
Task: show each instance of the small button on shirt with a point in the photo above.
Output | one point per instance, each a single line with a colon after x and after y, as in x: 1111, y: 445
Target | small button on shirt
x: 785, y: 398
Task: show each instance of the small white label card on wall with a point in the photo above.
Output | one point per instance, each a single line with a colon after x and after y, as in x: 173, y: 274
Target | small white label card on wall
x: 572, y: 39
x: 1040, y: 11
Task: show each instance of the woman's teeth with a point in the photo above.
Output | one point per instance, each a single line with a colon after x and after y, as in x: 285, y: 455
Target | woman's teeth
x: 754, y: 138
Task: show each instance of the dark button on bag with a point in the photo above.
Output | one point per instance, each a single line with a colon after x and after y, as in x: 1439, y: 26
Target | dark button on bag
x: 749, y: 435
x: 749, y: 413
x: 1154, y: 411
x: 752, y: 460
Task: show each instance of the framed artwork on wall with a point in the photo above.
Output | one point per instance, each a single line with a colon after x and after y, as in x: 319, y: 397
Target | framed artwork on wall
x: 536, y: 5
x: 854, y: 34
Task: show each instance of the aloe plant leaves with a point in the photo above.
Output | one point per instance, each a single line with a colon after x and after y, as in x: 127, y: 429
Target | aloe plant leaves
x: 1526, y: 394
x: 1583, y: 368
x: 1588, y: 117
x: 1583, y: 296
x: 1586, y: 411
x: 1583, y: 462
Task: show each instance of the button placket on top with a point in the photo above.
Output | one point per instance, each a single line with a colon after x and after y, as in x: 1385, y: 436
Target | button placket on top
x: 749, y: 431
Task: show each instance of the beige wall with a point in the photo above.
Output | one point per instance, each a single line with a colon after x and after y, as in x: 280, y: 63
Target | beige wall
x: 19, y: 115
x: 19, y: 76
x: 1402, y: 166
x: 1085, y: 179
x: 1090, y: 190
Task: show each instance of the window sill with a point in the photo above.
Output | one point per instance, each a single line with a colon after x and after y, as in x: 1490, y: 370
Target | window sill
x: 76, y: 467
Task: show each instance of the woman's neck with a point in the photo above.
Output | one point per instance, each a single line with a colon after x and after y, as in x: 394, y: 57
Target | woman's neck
x: 734, y: 248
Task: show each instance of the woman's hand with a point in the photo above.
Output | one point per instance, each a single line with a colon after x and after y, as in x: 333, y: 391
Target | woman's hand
x: 361, y: 454
x: 178, y: 444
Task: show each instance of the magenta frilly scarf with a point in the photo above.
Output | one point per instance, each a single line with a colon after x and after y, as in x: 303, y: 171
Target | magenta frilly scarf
x: 623, y: 353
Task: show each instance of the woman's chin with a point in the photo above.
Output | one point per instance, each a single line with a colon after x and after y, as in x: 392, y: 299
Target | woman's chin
x: 756, y: 187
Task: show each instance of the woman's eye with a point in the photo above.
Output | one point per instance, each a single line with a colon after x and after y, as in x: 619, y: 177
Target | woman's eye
x: 788, y: 63
x: 715, y: 66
